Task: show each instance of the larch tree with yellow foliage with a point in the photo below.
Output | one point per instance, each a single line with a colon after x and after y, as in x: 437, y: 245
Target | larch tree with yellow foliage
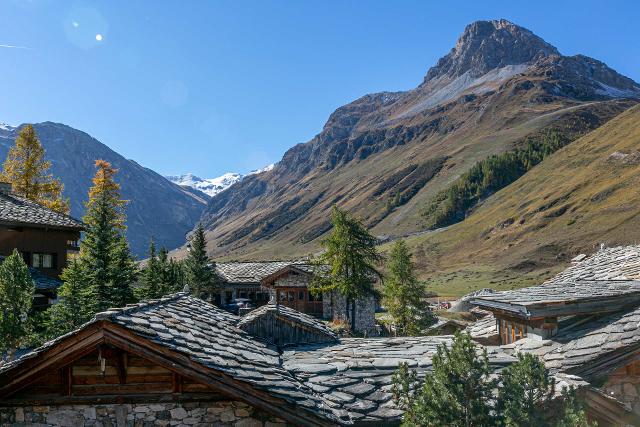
x: 28, y: 172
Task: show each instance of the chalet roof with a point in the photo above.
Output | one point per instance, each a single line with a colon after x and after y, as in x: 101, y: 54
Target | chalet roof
x: 249, y: 272
x: 16, y: 210
x: 290, y: 315
x: 41, y: 281
x: 210, y: 338
x: 555, y: 298
x: 355, y: 375
x: 615, y: 263
x: 588, y: 348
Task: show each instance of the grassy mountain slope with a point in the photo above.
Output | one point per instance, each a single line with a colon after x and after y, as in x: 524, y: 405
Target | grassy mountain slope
x: 585, y: 194
x: 385, y: 155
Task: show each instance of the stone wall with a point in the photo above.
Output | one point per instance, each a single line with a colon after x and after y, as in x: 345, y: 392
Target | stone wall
x: 335, y: 308
x: 199, y: 414
x: 624, y: 385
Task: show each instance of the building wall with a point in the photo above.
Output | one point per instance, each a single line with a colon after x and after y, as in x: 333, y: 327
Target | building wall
x: 34, y: 240
x: 624, y: 385
x: 220, y: 413
x: 335, y: 308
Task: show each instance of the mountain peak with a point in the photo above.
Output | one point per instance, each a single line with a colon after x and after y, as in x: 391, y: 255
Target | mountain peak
x: 487, y: 45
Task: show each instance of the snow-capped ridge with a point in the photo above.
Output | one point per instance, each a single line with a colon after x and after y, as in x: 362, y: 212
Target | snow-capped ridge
x: 213, y: 186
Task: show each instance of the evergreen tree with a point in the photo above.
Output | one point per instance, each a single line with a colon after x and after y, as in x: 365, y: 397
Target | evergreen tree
x: 457, y: 391
x: 526, y: 390
x: 124, y: 273
x: 572, y: 413
x: 27, y: 171
x: 76, y: 303
x: 350, y: 252
x: 403, y: 293
x: 103, y: 249
x: 199, y: 269
x: 151, y: 275
x: 16, y: 297
x: 169, y: 273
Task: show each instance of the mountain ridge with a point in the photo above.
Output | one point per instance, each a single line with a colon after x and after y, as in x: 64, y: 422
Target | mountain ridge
x: 369, y: 150
x: 157, y: 208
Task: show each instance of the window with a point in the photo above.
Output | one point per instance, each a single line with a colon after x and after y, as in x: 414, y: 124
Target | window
x: 292, y: 295
x: 43, y: 260
x: 301, y: 295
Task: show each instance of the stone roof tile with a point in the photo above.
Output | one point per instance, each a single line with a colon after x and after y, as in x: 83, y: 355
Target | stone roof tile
x: 21, y: 211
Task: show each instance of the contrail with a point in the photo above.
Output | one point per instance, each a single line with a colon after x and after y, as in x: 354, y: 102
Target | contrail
x: 8, y: 46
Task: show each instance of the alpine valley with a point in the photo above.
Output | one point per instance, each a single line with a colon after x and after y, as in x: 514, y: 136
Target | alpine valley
x: 156, y: 208
x: 385, y: 156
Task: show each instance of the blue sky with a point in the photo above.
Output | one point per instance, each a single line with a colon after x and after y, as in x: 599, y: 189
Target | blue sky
x: 216, y: 86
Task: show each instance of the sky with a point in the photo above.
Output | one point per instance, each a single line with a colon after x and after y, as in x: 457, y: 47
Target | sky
x: 210, y: 87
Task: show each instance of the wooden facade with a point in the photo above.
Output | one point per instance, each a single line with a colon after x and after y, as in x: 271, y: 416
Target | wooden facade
x: 283, y: 326
x: 290, y: 288
x: 32, y: 242
x: 105, y: 363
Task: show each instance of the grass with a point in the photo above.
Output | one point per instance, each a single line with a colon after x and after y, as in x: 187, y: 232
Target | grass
x: 568, y: 204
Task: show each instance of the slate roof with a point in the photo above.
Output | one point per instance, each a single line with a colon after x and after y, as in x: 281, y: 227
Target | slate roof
x: 41, y: 281
x: 355, y: 375
x: 615, y: 263
x: 288, y: 314
x: 587, y: 348
x: 209, y: 336
x: 249, y: 272
x: 16, y: 210
x: 565, y: 297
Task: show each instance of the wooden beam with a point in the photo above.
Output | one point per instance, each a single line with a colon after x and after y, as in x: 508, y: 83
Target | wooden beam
x: 52, y: 359
x: 121, y: 365
x: 237, y: 390
x: 176, y: 380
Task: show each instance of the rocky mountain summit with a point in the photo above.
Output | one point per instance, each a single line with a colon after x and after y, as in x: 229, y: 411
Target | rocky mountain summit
x: 156, y: 207
x: 385, y: 154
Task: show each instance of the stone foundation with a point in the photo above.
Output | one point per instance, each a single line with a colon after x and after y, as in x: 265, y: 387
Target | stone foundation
x: 199, y: 414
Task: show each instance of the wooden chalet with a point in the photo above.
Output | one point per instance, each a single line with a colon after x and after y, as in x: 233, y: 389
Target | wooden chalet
x: 243, y: 280
x: 45, y: 238
x: 583, y: 322
x: 290, y: 286
x: 182, y: 361
x: 171, y: 359
x: 284, y: 326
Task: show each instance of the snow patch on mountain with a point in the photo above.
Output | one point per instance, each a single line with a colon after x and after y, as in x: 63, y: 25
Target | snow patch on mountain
x: 213, y: 186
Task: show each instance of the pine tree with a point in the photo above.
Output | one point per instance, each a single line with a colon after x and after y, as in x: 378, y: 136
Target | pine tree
x: 457, y: 391
x: 27, y: 171
x: 350, y: 252
x: 16, y: 297
x: 199, y: 269
x: 103, y: 251
x: 572, y: 413
x: 169, y: 273
x: 76, y: 303
x: 151, y: 275
x: 403, y: 293
x: 124, y: 273
x: 526, y: 390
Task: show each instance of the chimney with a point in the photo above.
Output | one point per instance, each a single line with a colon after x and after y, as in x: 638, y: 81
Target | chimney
x: 5, y: 188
